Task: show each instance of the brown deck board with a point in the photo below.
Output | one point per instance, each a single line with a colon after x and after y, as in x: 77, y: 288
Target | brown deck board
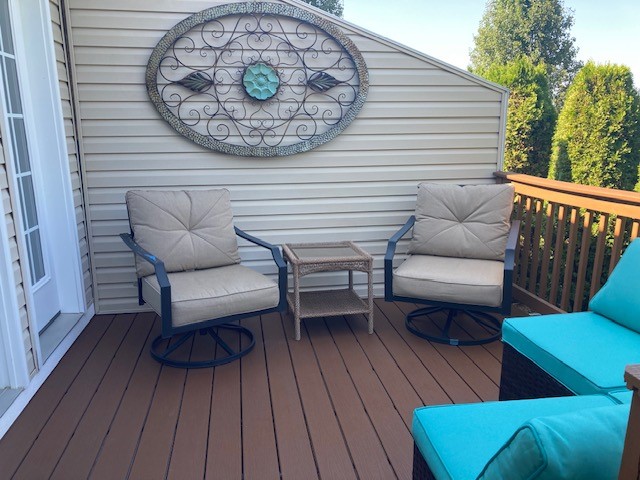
x: 120, y: 443
x: 368, y: 455
x: 329, y: 445
x: 395, y: 384
x: 260, y: 454
x: 154, y: 450
x: 385, y: 417
x: 189, y: 454
x: 425, y: 385
x: 224, y: 450
x: 445, y: 374
x: 294, y: 444
x: 83, y: 447
x: 46, y: 450
x: 336, y: 404
x: 19, y: 439
x: 461, y: 360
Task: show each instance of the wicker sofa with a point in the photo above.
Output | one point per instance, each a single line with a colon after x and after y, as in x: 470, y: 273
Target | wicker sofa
x: 559, y: 373
x: 577, y: 353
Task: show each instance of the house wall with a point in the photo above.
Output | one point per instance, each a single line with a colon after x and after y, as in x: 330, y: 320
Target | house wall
x: 423, y: 121
x: 73, y: 146
x: 7, y: 209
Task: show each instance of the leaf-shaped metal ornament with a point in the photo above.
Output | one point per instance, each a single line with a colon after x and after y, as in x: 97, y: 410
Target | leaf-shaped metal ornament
x: 321, y: 82
x: 198, y: 82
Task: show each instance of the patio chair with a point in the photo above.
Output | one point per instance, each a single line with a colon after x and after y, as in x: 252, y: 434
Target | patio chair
x: 189, y: 272
x: 460, y: 261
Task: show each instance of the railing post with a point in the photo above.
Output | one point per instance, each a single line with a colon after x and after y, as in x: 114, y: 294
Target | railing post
x: 630, y: 467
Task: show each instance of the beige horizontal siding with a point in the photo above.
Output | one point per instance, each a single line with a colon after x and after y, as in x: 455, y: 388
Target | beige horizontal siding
x: 422, y: 122
x: 8, y: 218
x: 72, y: 141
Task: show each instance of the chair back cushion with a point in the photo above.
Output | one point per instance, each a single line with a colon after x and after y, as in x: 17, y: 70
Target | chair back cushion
x: 469, y: 221
x: 618, y: 299
x: 187, y: 230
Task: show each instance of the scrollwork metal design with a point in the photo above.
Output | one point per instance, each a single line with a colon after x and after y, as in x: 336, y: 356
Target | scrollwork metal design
x: 257, y: 79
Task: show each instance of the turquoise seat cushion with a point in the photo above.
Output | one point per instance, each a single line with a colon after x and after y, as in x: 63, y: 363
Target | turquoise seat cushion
x: 584, y: 351
x: 579, y: 445
x: 618, y: 299
x: 458, y: 440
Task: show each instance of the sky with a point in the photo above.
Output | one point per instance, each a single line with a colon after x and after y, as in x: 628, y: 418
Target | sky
x: 605, y: 31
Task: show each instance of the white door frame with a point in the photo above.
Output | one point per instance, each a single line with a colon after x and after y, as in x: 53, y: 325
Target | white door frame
x: 33, y: 39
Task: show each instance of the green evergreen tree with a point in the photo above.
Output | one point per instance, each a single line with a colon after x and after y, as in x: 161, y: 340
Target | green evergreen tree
x: 531, y: 116
x: 598, y: 133
x: 538, y: 29
x: 336, y: 7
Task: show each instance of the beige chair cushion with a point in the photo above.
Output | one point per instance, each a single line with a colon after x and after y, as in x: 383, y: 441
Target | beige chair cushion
x: 213, y: 293
x: 447, y: 279
x: 187, y: 230
x: 467, y: 222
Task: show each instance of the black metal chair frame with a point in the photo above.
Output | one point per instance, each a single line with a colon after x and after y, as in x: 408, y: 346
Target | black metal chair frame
x: 207, y: 327
x: 483, y: 315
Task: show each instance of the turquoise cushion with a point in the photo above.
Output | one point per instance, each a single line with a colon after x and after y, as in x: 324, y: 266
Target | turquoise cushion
x: 585, y: 444
x: 618, y: 299
x: 621, y: 396
x: 458, y: 440
x: 584, y: 351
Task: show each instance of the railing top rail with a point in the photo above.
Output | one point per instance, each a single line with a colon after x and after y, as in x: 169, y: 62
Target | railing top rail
x: 598, y: 193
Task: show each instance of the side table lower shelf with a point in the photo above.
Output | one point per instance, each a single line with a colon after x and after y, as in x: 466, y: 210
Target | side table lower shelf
x: 328, y: 303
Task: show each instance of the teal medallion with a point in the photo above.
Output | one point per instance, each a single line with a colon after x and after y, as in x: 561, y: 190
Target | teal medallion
x: 260, y: 81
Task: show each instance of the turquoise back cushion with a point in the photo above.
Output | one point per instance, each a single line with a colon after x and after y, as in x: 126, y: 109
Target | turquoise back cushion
x: 619, y: 298
x: 569, y: 446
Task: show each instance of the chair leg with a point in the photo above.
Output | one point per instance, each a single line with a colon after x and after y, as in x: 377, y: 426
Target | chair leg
x: 164, y: 355
x: 489, y: 323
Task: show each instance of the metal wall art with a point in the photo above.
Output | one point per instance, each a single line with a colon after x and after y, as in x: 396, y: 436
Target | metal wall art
x: 257, y: 79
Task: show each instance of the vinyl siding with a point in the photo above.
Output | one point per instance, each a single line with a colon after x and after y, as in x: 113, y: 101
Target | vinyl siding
x: 72, y: 144
x: 422, y: 121
x: 7, y: 210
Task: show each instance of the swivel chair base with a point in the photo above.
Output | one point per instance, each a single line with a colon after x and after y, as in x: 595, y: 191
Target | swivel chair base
x: 164, y: 355
x: 489, y: 323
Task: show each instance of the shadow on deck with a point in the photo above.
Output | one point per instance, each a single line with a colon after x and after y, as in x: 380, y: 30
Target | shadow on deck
x: 336, y: 404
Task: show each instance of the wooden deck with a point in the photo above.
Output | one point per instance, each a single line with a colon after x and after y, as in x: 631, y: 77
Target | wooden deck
x: 335, y: 405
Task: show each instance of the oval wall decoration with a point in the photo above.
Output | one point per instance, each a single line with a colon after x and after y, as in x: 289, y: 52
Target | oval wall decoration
x: 257, y: 79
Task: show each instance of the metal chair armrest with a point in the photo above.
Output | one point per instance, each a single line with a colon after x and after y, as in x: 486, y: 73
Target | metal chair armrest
x: 393, y: 241
x: 161, y: 276
x: 277, y: 258
x: 509, y: 261
x: 275, y: 250
x: 512, y: 242
x: 158, y: 265
x: 388, y: 257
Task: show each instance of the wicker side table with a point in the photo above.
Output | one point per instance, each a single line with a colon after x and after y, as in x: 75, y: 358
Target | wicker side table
x: 306, y: 258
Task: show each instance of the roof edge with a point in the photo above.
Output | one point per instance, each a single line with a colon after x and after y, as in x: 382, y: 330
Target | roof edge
x: 395, y: 44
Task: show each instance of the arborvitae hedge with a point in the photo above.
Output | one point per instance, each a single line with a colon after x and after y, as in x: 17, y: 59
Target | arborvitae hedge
x: 597, y: 139
x: 531, y: 116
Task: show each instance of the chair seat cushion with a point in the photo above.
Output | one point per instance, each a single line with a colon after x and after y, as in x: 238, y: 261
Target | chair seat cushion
x: 449, y: 279
x: 584, y: 351
x: 202, y: 295
x: 457, y: 441
x: 571, y: 446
